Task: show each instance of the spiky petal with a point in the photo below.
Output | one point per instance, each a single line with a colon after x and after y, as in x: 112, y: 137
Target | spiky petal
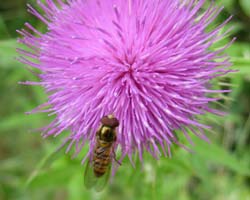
x: 147, y: 62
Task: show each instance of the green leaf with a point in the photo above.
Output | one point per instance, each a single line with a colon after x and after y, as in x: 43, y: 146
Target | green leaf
x: 19, y: 120
x: 46, y: 162
x: 245, y: 5
x: 52, y: 178
x: 218, y: 155
x: 241, y: 64
x: 8, y: 54
x: 3, y: 29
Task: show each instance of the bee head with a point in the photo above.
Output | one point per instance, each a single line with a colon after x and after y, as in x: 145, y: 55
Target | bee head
x: 110, y: 121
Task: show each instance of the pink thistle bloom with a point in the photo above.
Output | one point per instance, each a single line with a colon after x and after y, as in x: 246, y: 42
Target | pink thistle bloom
x: 147, y: 62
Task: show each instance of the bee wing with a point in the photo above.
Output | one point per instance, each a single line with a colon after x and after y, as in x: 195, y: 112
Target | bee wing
x: 89, y: 177
x: 103, y: 180
x: 91, y: 181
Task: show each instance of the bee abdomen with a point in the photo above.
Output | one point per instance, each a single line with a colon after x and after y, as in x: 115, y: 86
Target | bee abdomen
x: 100, y: 167
x: 101, y: 161
x: 100, y: 171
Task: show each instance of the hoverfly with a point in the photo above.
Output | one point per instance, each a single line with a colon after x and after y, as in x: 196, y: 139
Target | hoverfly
x: 98, y: 168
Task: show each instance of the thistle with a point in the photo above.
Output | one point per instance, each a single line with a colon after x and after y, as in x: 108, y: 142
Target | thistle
x: 147, y: 62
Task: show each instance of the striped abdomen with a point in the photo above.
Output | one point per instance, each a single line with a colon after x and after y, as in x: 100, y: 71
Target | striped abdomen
x: 102, y: 159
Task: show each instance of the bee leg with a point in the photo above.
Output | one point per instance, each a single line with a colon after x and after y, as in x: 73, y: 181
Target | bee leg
x: 119, y: 163
x: 114, y: 156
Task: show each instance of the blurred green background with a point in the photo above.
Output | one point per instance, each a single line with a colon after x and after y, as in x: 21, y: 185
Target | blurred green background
x: 30, y: 170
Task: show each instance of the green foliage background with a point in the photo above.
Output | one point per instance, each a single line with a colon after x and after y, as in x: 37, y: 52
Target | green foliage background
x: 29, y: 169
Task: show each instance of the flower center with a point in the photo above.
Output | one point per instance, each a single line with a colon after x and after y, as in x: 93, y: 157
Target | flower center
x: 130, y: 63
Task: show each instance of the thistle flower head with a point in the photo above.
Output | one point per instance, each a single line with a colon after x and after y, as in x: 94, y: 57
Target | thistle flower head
x: 148, y: 63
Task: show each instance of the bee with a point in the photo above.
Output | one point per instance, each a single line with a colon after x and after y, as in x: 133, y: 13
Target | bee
x: 97, y: 171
